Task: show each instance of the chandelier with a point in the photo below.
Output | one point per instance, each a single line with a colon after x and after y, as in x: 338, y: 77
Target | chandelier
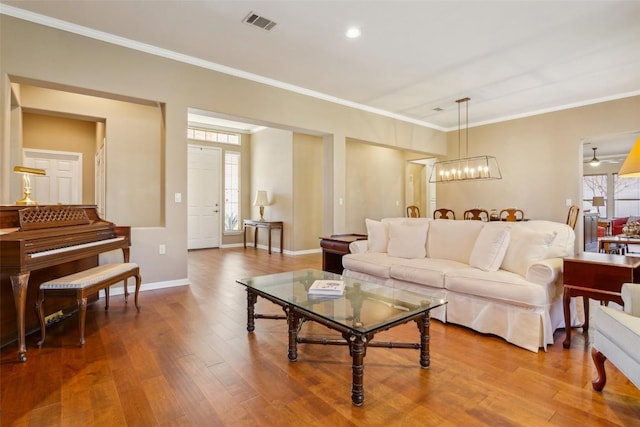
x: 467, y: 168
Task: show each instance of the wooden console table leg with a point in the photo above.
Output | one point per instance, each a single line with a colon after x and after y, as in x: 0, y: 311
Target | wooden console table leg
x: 19, y: 284
x: 244, y: 233
x: 255, y: 237
x: 281, y: 237
x: 270, y: 231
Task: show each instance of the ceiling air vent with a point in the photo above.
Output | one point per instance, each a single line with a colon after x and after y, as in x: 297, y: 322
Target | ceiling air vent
x: 259, y: 21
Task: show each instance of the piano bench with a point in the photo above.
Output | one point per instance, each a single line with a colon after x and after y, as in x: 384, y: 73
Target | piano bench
x: 85, y: 283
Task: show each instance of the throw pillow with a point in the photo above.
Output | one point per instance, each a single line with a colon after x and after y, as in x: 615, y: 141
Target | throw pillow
x: 377, y: 237
x: 407, y: 241
x: 525, y: 248
x: 490, y: 248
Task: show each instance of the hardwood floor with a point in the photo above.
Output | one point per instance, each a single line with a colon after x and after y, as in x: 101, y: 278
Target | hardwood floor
x: 187, y: 359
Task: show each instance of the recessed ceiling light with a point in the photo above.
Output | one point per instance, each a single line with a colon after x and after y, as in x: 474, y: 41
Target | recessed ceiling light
x: 353, y: 33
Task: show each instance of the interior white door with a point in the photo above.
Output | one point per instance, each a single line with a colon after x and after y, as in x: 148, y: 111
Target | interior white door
x: 63, y: 181
x: 203, y: 197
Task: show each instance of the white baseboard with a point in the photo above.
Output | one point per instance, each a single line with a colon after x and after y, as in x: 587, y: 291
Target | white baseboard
x: 274, y: 250
x: 148, y: 287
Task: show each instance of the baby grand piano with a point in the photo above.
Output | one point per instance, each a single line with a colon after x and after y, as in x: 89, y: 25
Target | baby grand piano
x: 40, y: 243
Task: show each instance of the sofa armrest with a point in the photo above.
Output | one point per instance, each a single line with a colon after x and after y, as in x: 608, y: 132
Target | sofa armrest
x: 631, y: 298
x: 545, y: 272
x: 358, y: 247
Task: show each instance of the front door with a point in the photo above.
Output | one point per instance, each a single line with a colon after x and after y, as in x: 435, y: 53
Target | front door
x: 203, y: 197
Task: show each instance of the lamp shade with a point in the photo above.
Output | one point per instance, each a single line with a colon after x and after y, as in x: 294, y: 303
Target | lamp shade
x: 261, y: 199
x: 598, y: 201
x: 631, y: 166
x: 32, y: 171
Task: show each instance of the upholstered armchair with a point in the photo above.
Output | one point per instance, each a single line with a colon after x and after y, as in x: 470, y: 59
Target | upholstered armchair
x: 617, y: 337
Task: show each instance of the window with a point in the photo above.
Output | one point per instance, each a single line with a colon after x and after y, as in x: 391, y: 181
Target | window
x: 594, y: 185
x: 213, y: 136
x: 626, y: 196
x: 231, y: 191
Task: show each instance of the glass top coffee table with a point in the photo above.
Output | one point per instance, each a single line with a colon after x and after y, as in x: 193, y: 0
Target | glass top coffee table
x: 363, y: 310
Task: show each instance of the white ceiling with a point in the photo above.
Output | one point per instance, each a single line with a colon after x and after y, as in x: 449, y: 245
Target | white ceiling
x: 511, y: 58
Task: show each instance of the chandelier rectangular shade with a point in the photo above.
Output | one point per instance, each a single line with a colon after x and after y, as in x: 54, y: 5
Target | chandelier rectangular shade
x: 466, y: 169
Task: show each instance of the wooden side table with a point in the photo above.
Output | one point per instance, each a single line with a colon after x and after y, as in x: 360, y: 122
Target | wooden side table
x: 334, y: 248
x: 597, y: 276
x: 269, y: 225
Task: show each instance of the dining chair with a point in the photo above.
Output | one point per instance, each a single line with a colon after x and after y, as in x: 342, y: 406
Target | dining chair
x: 477, y: 214
x: 444, y: 213
x: 413, y: 211
x: 572, y: 216
x: 511, y: 214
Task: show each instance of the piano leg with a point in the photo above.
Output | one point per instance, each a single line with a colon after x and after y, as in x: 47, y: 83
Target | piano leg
x: 19, y: 286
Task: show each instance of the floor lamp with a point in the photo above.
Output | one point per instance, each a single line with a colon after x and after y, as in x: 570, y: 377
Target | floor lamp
x: 597, y: 202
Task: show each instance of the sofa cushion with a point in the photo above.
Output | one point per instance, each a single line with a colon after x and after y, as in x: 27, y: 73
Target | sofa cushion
x: 496, y: 285
x: 452, y: 240
x: 490, y: 248
x: 407, y: 240
x: 425, y: 271
x: 525, y: 247
x: 377, y: 236
x: 373, y: 263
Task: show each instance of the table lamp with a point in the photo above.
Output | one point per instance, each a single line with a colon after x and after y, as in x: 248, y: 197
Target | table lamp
x: 261, y: 200
x: 26, y: 181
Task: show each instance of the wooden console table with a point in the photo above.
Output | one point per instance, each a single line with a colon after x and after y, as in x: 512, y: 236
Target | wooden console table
x: 597, y: 276
x: 269, y: 225
x: 334, y: 248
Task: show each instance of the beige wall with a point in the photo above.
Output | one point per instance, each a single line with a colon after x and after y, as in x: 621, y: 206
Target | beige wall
x: 62, y: 134
x: 307, y: 191
x: 540, y: 158
x: 375, y: 183
x: 272, y: 171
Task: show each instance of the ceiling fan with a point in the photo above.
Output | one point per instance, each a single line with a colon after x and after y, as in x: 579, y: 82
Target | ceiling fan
x: 595, y: 161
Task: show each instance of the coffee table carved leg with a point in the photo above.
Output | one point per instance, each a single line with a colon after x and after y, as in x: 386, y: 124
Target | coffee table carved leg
x: 293, y: 322
x: 566, y: 299
x: 357, y: 347
x: 251, y: 303
x: 423, y: 323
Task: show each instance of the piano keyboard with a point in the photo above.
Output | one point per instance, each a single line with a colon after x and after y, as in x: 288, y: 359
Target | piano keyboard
x: 76, y: 247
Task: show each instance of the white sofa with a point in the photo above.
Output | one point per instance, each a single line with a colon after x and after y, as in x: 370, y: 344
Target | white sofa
x: 502, y: 278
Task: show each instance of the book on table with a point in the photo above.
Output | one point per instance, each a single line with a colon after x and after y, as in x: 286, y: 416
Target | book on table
x: 327, y: 287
